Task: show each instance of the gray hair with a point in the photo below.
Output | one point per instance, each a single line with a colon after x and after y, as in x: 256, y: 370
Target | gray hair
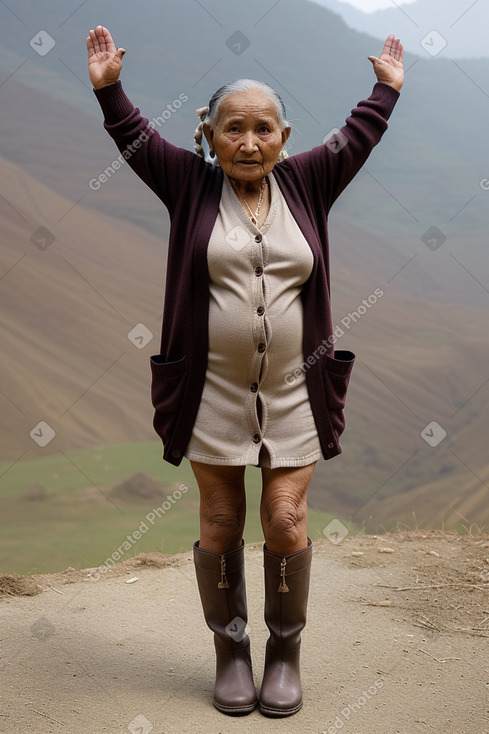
x: 208, y: 115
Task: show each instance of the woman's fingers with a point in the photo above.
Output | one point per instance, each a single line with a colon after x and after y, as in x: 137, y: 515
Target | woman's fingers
x: 393, y: 47
x: 100, y: 40
x: 400, y: 56
x: 93, y: 43
x: 396, y: 49
x: 387, y: 49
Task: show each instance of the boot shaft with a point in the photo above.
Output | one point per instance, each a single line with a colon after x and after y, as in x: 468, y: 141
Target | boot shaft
x: 286, y: 595
x: 222, y: 589
x: 221, y: 583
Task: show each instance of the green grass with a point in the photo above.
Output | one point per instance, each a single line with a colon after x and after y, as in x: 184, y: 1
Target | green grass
x: 80, y: 523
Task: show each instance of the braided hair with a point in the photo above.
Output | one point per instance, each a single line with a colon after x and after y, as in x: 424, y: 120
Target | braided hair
x: 208, y: 115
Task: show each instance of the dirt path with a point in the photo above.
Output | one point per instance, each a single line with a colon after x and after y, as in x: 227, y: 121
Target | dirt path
x: 396, y: 642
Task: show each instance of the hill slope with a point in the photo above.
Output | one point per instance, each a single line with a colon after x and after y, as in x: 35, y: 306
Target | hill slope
x: 67, y: 311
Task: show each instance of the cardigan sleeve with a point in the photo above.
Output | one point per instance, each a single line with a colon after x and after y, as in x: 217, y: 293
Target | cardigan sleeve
x: 160, y: 164
x: 330, y: 167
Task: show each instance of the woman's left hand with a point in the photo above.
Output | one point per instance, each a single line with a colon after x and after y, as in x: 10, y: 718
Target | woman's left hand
x: 389, y: 66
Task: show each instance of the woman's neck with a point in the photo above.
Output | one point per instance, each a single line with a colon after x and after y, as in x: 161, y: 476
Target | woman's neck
x: 247, y: 188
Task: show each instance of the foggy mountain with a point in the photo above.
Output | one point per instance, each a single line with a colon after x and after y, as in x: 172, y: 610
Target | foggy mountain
x: 462, y: 27
x: 314, y: 60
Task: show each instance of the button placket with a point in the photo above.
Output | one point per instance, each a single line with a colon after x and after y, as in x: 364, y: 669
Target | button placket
x: 259, y: 359
x: 258, y: 298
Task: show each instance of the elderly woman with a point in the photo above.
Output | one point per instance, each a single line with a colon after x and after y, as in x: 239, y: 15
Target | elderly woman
x: 247, y: 373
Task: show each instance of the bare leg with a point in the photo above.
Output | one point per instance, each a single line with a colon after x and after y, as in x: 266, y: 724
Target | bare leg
x: 283, y: 508
x: 219, y: 566
x: 287, y: 563
x: 222, y: 506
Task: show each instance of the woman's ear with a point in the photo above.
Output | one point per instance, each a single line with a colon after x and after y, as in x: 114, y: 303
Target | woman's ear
x: 286, y: 134
x: 209, y: 134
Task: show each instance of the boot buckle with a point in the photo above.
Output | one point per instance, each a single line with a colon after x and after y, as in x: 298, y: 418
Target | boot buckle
x: 283, y: 588
x: 223, y: 583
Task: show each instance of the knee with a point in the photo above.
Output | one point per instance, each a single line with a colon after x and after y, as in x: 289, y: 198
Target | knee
x: 285, y: 519
x: 223, y: 516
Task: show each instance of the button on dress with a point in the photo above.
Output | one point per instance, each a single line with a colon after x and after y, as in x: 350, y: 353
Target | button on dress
x: 249, y: 413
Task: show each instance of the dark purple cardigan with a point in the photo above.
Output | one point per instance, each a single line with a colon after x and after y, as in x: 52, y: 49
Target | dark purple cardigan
x: 190, y: 188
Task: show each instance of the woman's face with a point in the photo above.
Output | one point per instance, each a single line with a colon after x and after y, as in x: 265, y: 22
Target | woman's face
x: 247, y: 137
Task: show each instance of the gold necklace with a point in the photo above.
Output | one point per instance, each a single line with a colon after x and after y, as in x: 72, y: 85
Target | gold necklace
x: 254, y: 215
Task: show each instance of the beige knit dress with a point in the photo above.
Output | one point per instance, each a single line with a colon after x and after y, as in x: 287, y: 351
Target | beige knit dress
x: 249, y: 413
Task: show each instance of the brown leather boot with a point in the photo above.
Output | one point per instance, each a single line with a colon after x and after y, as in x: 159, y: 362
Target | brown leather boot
x: 286, y: 594
x: 222, y: 590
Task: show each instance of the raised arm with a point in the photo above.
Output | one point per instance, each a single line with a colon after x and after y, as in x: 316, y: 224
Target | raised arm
x: 160, y: 164
x: 330, y: 167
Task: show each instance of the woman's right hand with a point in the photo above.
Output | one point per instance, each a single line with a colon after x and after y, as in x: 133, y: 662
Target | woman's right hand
x: 104, y: 60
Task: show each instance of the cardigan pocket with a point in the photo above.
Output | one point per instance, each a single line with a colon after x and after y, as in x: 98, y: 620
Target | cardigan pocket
x: 336, y: 375
x: 167, y: 389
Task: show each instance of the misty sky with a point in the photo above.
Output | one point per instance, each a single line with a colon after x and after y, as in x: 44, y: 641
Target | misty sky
x: 368, y: 6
